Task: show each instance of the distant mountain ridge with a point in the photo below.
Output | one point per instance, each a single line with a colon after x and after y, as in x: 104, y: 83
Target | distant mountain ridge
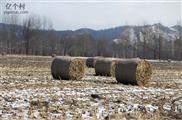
x: 117, y: 32
x: 113, y: 33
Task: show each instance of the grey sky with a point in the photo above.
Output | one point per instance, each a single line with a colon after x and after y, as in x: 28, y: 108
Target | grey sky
x: 101, y: 15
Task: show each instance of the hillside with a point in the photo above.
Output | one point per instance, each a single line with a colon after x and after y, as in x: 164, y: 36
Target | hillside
x: 111, y: 33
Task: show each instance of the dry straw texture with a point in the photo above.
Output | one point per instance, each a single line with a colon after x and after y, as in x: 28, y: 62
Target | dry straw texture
x: 82, y: 58
x: 105, y: 67
x: 67, y: 68
x: 133, y: 71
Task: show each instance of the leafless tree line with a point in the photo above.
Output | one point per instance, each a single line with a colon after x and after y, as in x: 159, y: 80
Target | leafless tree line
x: 36, y: 37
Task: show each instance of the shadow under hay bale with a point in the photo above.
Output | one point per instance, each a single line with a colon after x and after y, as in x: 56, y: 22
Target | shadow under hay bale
x: 105, y: 67
x: 67, y: 68
x: 133, y: 71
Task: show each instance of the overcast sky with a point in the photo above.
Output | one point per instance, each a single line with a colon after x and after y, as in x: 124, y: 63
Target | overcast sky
x: 97, y: 14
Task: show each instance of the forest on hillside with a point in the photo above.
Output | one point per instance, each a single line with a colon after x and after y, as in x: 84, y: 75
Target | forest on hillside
x: 35, y: 36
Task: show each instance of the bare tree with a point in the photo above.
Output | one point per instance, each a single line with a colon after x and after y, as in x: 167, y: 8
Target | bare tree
x: 31, y: 25
x: 9, y: 33
x: 144, y: 41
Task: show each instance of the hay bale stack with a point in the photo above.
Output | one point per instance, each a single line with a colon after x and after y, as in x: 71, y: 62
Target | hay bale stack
x: 133, y: 71
x: 67, y: 68
x: 105, y: 67
x: 90, y: 62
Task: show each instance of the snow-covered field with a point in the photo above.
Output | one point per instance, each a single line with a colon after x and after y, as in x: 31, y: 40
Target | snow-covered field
x: 27, y: 91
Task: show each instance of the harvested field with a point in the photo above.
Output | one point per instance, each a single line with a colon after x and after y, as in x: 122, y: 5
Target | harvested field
x: 176, y: 65
x: 28, y: 91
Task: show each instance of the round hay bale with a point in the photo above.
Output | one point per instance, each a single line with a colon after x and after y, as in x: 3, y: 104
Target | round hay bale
x: 3, y: 54
x: 53, y: 55
x: 105, y: 67
x: 67, y: 68
x: 169, y: 60
x: 90, y: 61
x: 133, y: 71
